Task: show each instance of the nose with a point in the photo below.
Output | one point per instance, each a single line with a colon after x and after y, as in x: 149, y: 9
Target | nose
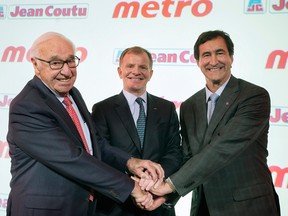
x: 213, y: 60
x: 66, y: 71
x: 136, y: 70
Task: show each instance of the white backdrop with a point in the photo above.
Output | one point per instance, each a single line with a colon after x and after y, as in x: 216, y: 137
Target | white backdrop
x: 101, y: 29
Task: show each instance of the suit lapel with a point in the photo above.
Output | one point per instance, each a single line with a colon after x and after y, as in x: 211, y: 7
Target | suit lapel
x: 124, y: 113
x: 200, y: 108
x: 55, y: 105
x: 87, y: 119
x: 151, y: 120
x: 227, y: 97
x: 52, y: 101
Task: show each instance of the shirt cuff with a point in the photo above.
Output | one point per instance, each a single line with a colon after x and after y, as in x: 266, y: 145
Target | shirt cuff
x: 171, y: 185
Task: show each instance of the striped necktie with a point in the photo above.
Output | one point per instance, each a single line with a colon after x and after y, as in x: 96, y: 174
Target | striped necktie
x: 72, y: 113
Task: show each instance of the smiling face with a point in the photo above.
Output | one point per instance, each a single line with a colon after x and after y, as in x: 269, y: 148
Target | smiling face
x: 52, y: 47
x: 215, y: 62
x: 135, y: 71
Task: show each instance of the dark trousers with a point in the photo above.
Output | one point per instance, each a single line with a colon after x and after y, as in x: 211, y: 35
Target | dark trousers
x: 203, y: 209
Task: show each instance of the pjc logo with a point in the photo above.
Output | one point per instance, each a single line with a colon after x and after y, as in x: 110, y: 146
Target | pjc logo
x: 255, y: 7
x: 2, y: 12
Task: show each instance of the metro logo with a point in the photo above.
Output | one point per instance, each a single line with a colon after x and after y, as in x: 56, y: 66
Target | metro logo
x: 4, y: 149
x: 151, y: 9
x: 12, y: 54
x: 279, y: 176
x: 282, y: 56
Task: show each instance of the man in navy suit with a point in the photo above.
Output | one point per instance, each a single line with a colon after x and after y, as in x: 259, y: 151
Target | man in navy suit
x: 52, y: 173
x: 226, y: 154
x: 116, y: 120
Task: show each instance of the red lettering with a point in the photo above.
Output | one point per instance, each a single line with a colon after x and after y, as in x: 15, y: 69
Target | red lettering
x: 4, y: 150
x: 151, y: 9
x: 126, y: 7
x: 207, y: 4
x: 47, y: 12
x: 188, y: 59
x: 280, y: 174
x: 166, y: 5
x: 285, y: 117
x: 255, y: 7
x: 83, y: 53
x: 180, y: 6
x: 281, y: 6
x: 149, y: 6
x: 3, y: 203
x: 282, y: 56
x: 277, y: 115
x: 6, y: 101
x: 11, y: 52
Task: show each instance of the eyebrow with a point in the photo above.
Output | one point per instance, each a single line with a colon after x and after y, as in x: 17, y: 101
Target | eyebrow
x: 56, y: 57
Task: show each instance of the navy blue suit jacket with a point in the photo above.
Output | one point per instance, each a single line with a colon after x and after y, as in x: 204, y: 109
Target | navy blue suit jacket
x: 114, y: 122
x: 52, y: 174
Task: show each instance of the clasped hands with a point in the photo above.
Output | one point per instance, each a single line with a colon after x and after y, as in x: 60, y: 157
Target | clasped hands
x: 150, y: 188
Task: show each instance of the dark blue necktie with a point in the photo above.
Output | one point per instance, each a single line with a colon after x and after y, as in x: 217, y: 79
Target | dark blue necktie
x: 141, y: 121
x: 213, y: 98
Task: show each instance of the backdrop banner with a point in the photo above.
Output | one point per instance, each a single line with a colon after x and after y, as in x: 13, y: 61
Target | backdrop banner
x: 168, y: 29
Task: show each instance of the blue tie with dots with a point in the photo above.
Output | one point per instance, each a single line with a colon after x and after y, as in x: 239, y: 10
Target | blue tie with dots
x: 141, y: 121
x: 213, y: 98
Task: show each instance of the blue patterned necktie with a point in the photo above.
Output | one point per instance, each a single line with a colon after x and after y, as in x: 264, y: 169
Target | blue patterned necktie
x: 213, y: 98
x: 141, y: 121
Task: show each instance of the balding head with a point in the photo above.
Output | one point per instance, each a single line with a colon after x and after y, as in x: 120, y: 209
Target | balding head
x: 46, y: 40
x: 48, y: 52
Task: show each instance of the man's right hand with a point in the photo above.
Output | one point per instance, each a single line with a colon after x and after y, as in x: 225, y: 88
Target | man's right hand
x: 143, y: 199
x: 145, y: 169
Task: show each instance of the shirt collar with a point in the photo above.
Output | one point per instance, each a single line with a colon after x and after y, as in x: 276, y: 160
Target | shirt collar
x: 131, y: 98
x: 219, y: 90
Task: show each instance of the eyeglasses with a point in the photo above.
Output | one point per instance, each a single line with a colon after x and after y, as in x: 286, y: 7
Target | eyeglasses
x: 58, y: 64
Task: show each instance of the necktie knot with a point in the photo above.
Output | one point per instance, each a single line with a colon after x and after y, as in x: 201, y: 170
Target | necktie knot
x: 211, y: 106
x: 214, y: 97
x: 67, y: 101
x: 139, y: 100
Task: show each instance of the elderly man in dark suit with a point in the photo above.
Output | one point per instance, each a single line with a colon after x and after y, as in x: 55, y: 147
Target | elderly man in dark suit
x: 56, y: 155
x: 116, y: 120
x: 226, y: 151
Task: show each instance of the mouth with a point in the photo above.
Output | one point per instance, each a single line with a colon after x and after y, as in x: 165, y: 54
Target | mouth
x: 215, y: 68
x: 64, y: 79
x: 135, y: 78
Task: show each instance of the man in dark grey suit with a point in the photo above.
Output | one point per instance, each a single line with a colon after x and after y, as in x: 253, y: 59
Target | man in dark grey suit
x: 52, y: 173
x: 116, y: 120
x: 226, y: 155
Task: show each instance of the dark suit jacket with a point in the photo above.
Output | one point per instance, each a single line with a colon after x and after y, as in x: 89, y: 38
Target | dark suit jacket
x: 228, y: 157
x: 114, y: 121
x: 52, y: 174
